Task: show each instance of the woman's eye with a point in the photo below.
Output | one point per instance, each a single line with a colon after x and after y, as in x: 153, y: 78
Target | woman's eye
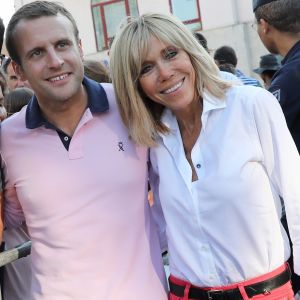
x: 146, y: 69
x: 171, y: 53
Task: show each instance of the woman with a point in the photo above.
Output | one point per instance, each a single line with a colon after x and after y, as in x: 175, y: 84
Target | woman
x: 221, y: 158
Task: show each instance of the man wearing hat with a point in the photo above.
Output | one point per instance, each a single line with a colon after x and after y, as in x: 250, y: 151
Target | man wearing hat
x: 279, y: 29
x: 269, y: 64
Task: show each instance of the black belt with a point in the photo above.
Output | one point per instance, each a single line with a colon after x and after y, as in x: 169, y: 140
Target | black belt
x: 263, y: 287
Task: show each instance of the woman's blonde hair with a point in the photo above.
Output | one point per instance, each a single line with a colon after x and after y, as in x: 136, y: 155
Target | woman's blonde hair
x: 141, y: 115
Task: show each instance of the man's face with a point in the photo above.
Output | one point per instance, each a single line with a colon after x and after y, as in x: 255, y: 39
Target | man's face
x: 51, y: 59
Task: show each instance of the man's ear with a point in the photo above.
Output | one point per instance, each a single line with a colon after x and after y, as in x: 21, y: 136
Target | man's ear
x: 19, y: 71
x: 265, y: 26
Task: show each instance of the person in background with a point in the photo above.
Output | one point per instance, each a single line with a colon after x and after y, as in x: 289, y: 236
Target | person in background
x: 94, y: 69
x: 72, y: 173
x: 3, y: 87
x: 16, y: 276
x: 226, y: 55
x: 13, y: 80
x: 17, y: 99
x: 221, y: 156
x: 225, y: 73
x: 2, y: 30
x: 269, y: 64
x: 278, y: 26
x: 202, y: 40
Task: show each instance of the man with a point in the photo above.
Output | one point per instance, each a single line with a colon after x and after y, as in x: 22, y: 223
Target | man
x: 226, y: 55
x: 279, y: 29
x: 278, y: 26
x: 269, y: 64
x: 13, y: 80
x: 73, y: 174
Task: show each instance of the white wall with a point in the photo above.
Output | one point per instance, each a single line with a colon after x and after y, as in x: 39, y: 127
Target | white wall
x: 225, y: 22
x: 161, y: 6
x: 216, y: 13
x: 245, y: 12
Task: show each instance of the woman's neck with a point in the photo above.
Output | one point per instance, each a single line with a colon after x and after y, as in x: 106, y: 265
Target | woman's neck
x: 189, y: 118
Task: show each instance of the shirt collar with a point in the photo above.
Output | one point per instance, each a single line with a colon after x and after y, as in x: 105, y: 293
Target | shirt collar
x: 295, y: 49
x: 210, y: 102
x: 97, y: 103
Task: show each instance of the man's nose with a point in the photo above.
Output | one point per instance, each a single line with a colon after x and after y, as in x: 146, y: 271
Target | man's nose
x: 54, y: 59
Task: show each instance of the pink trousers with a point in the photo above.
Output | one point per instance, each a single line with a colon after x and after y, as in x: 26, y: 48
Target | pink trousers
x: 284, y: 292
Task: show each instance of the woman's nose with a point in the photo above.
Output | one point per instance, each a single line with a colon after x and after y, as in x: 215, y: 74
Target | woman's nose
x: 165, y: 71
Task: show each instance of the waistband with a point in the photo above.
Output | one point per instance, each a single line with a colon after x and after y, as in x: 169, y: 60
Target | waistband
x: 259, y: 285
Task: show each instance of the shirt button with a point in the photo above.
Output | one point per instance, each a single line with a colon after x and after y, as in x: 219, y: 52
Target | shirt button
x: 198, y: 166
x: 66, y: 138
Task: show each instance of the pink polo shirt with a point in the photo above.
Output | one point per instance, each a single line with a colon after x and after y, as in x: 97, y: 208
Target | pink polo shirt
x: 86, y: 208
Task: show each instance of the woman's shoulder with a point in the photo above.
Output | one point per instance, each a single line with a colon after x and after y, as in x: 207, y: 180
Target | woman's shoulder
x: 246, y: 94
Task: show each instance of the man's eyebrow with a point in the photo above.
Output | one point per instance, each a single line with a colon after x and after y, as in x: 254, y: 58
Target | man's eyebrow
x: 65, y: 40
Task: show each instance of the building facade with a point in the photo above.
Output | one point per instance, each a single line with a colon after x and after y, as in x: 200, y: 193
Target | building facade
x: 226, y: 22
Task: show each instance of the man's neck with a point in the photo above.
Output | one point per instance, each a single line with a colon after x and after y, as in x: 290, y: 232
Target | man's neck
x: 67, y: 114
x: 287, y: 42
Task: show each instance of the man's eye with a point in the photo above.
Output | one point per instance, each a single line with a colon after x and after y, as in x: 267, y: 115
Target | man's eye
x: 146, y: 69
x: 36, y: 53
x: 62, y: 45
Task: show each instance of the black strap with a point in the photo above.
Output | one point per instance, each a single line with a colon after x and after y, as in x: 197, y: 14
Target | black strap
x: 262, y: 287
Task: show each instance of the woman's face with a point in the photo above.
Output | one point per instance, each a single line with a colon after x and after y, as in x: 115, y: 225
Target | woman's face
x: 167, y: 76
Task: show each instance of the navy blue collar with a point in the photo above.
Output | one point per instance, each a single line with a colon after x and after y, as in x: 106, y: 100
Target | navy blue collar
x: 97, y: 103
x: 294, y: 51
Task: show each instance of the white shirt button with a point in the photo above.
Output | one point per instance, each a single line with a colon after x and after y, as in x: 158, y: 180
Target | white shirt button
x: 66, y: 138
x: 198, y: 166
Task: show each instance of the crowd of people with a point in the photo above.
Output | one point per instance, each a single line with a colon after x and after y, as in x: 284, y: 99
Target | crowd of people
x: 82, y: 146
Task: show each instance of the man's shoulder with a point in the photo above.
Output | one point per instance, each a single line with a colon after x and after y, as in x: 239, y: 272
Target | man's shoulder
x: 109, y: 91
x: 15, y: 122
x: 286, y: 82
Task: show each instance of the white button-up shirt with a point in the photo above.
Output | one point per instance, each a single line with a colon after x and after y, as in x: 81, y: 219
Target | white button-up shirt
x: 225, y: 227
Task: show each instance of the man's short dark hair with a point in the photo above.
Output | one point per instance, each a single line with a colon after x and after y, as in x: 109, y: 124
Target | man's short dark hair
x: 284, y: 15
x: 30, y: 11
x: 2, y: 29
x: 225, y: 55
